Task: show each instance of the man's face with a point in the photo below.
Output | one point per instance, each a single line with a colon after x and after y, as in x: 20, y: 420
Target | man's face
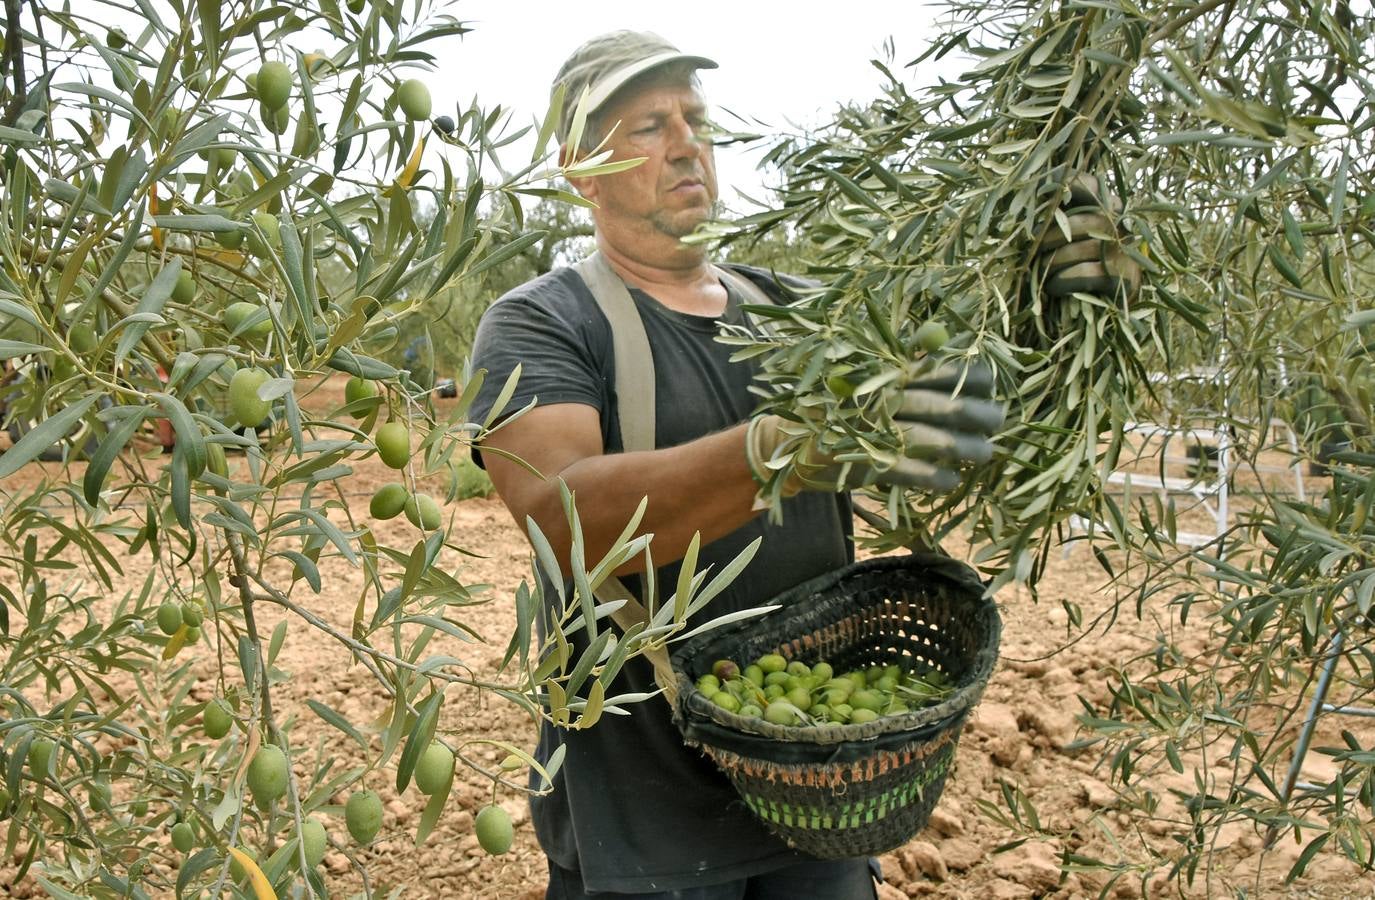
x: 674, y: 189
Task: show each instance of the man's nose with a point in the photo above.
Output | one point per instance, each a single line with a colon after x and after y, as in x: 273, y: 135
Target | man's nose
x: 685, y: 141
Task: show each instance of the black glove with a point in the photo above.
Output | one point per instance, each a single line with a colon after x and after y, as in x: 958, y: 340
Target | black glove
x: 939, y: 432
x: 1091, y: 259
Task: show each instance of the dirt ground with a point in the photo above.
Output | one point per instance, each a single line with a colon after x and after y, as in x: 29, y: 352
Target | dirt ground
x: 1022, y: 734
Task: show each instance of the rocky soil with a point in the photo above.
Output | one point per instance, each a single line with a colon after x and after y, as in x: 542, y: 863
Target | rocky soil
x: 1023, y: 734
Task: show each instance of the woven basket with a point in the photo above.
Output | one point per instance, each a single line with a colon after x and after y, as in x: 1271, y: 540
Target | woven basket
x: 838, y: 791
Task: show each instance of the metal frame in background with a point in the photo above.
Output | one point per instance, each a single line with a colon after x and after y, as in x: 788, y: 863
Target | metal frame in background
x: 1316, y: 710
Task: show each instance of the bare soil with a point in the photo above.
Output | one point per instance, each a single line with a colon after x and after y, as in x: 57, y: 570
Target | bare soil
x: 1023, y: 734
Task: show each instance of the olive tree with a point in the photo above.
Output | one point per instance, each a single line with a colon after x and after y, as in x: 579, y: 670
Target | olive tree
x: 175, y: 179
x: 1231, y: 142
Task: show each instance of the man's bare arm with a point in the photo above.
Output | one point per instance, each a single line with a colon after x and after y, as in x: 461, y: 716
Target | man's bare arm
x: 701, y: 486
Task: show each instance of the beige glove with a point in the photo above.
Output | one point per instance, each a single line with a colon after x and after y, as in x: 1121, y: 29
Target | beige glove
x: 1091, y: 259
x: 939, y: 433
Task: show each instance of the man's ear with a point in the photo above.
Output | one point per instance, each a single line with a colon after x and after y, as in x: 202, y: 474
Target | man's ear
x: 587, y: 187
x: 565, y: 155
x: 581, y: 185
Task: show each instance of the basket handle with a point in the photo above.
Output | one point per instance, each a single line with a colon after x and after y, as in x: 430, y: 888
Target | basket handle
x: 631, y: 614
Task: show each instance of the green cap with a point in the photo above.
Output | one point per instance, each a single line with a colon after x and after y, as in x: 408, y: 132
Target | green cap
x: 606, y: 63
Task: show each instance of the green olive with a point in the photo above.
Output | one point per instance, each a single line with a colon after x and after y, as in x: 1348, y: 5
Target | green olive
x: 248, y: 408
x: 423, y: 512
x: 414, y: 99
x: 393, y: 442
x: 494, y: 831
x: 273, y: 85
x: 185, y: 289
x: 932, y: 336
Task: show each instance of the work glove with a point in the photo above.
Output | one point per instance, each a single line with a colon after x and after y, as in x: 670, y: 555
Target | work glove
x: 1090, y: 259
x: 939, y: 432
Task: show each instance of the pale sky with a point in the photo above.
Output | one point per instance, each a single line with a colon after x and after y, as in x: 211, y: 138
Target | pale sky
x: 779, y: 62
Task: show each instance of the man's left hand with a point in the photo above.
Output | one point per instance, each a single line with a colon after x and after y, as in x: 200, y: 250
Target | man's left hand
x: 939, y: 431
x: 1090, y: 259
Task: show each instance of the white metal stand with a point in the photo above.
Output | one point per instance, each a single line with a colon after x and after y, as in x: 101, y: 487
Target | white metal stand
x: 1316, y: 709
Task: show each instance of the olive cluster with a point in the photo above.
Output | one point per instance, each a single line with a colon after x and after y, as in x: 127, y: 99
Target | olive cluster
x: 795, y: 693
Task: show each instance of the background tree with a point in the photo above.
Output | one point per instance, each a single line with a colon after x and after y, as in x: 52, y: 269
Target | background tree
x: 554, y: 232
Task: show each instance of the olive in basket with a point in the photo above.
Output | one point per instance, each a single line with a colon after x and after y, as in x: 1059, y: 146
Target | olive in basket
x: 785, y: 692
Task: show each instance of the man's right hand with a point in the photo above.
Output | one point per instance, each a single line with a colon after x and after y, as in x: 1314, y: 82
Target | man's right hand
x: 939, y: 432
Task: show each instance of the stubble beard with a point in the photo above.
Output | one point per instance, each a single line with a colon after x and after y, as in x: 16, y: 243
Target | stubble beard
x: 683, y: 222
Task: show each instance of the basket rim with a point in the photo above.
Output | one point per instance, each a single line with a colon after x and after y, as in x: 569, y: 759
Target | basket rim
x: 693, y: 705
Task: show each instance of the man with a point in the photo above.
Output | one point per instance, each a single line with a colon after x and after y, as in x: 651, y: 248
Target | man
x: 634, y: 811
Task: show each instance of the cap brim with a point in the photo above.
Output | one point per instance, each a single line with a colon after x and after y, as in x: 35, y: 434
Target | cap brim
x: 603, y: 91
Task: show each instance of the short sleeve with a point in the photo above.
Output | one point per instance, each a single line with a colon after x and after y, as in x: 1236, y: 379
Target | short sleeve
x: 544, y: 328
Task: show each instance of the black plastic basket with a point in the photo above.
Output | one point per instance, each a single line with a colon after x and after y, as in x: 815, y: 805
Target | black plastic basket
x: 835, y: 790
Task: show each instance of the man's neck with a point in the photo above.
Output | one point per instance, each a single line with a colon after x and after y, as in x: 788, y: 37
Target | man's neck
x: 678, y: 277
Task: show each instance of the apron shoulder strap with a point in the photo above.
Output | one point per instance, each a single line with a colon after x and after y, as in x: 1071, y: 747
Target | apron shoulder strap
x: 635, y: 408
x: 630, y: 348
x: 752, y: 292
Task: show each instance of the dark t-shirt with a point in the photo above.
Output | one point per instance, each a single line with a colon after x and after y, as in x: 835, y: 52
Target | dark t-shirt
x: 634, y: 809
